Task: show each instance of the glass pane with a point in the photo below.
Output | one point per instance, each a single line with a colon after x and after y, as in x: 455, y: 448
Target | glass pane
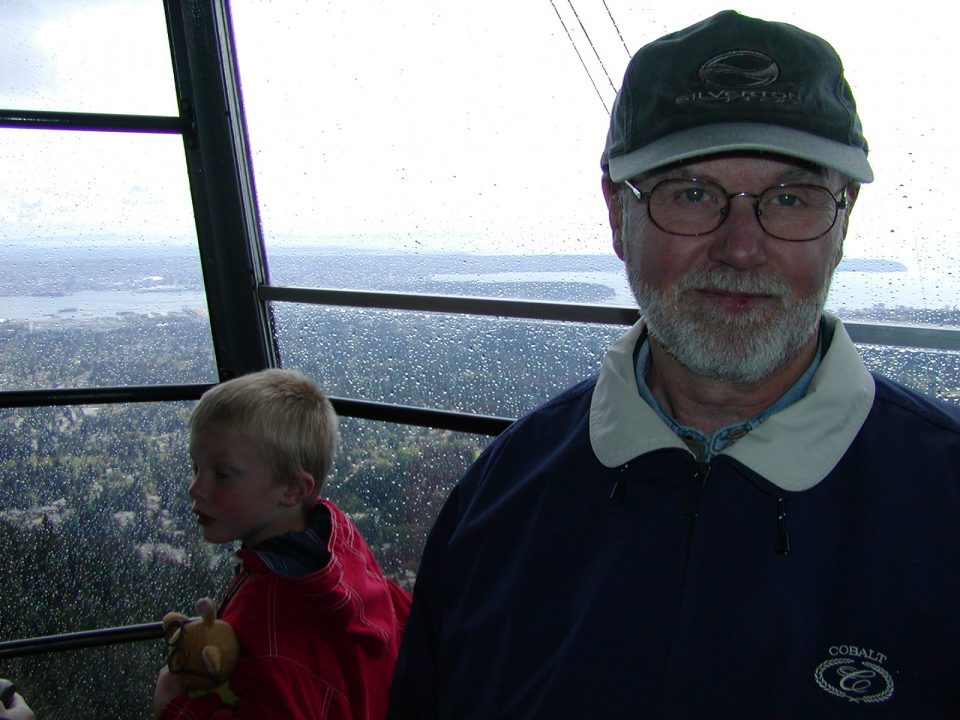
x: 470, y: 364
x: 392, y: 480
x: 100, y: 279
x: 113, y: 682
x: 96, y: 530
x: 936, y: 374
x: 105, y: 56
x: 426, y: 129
x: 427, y: 143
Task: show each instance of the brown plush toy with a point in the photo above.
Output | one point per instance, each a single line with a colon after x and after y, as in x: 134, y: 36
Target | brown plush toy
x: 204, y: 650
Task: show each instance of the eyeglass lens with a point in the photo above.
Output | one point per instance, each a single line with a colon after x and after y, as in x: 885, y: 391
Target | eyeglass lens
x: 790, y: 212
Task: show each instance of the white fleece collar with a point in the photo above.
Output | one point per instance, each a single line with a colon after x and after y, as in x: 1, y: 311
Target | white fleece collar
x: 794, y: 449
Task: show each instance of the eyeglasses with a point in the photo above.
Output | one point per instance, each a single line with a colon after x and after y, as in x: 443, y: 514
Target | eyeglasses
x: 691, y: 207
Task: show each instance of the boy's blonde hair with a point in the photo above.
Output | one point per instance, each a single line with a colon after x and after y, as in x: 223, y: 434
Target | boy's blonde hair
x: 282, y: 409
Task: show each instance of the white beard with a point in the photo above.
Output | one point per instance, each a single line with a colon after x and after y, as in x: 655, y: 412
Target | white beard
x: 743, y: 348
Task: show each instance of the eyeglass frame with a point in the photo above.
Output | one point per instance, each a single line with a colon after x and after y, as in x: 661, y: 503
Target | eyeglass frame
x: 841, y: 204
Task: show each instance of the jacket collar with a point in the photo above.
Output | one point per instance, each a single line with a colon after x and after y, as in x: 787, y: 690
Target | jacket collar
x: 794, y: 448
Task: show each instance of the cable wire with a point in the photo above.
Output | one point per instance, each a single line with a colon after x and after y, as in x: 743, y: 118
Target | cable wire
x: 617, y: 28
x: 592, y: 47
x: 585, y: 68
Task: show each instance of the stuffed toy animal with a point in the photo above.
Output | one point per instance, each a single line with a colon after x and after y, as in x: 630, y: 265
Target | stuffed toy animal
x: 203, y: 650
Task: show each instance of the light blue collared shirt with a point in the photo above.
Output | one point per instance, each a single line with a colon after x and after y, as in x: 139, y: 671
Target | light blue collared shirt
x: 706, y: 448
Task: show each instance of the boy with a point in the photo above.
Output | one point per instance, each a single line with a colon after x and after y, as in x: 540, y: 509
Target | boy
x: 318, y: 623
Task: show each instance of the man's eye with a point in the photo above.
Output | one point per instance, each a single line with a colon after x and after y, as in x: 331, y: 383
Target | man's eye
x: 694, y: 194
x: 786, y: 200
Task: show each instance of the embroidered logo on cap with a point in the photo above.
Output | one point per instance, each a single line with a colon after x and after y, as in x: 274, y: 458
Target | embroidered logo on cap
x: 739, y: 69
x: 856, y: 674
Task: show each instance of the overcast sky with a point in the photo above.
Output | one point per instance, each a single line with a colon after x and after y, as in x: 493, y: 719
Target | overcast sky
x: 439, y: 123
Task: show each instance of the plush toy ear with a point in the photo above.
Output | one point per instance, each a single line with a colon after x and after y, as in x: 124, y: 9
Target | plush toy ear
x: 211, y: 659
x: 207, y: 609
x: 172, y: 622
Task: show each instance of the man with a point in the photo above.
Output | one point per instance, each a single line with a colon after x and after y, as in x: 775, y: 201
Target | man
x: 734, y: 519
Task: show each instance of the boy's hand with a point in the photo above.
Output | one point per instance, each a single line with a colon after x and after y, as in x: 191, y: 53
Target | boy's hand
x: 18, y: 710
x: 168, y: 687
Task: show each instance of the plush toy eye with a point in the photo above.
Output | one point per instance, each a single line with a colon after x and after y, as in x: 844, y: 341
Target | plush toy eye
x: 177, y: 660
x: 211, y: 659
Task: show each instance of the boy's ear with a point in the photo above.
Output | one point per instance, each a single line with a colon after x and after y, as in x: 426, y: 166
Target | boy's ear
x: 300, y: 486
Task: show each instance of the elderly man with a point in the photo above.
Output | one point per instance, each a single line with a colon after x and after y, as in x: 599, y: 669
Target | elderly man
x: 735, y: 519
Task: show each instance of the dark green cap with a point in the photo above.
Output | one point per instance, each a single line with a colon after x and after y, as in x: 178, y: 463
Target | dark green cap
x: 735, y: 83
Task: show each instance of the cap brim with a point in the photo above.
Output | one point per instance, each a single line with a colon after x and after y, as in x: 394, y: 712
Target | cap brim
x: 733, y: 137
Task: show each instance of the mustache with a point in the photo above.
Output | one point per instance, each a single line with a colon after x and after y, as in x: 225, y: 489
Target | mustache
x: 725, y: 281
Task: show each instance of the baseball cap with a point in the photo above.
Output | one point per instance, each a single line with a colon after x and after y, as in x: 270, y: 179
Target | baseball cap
x: 735, y: 83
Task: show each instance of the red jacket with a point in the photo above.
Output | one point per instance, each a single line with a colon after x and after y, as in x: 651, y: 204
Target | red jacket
x: 316, y: 646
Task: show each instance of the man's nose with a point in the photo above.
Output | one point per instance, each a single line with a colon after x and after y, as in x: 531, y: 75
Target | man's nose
x: 740, y: 242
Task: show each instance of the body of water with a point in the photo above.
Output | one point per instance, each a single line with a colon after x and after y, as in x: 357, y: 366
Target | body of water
x: 851, y: 290
x: 92, y: 304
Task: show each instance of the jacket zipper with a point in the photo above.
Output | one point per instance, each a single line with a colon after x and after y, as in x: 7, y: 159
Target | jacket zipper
x: 619, y: 492
x: 782, y: 544
x: 692, y: 506
x: 690, y: 509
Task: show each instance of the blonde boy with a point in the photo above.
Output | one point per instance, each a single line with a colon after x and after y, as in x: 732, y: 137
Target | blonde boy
x: 318, y: 623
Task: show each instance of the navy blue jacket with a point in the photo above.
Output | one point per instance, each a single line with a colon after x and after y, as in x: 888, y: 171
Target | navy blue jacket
x: 569, y: 576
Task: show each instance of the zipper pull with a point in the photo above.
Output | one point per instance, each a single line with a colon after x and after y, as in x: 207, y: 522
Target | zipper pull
x: 782, y: 545
x: 619, y: 492
x: 691, y: 506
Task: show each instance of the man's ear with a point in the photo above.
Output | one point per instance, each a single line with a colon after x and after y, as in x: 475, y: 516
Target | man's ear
x: 300, y: 486
x: 611, y: 196
x: 852, y: 191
